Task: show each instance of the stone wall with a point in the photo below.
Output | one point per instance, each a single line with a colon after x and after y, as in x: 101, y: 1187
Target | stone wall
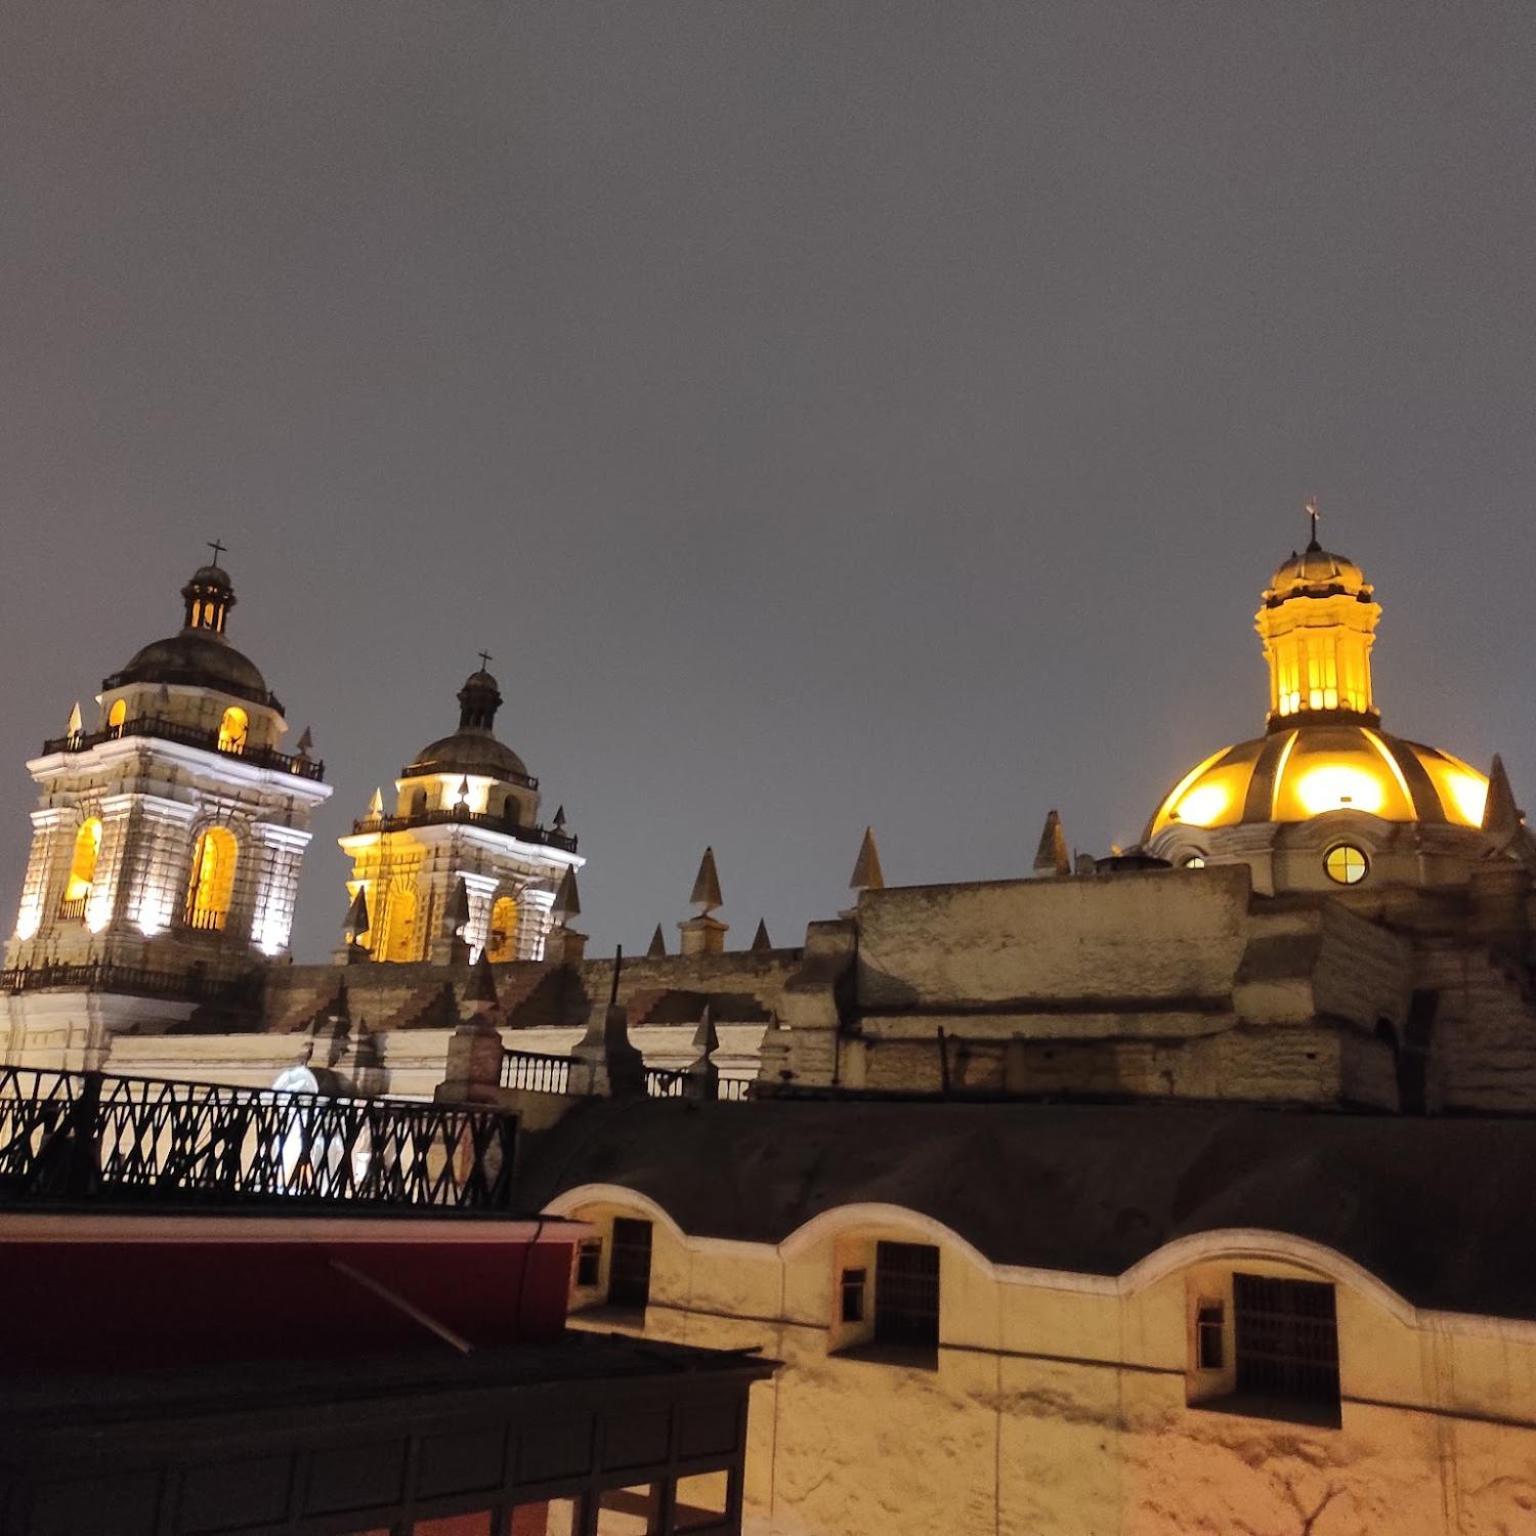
x: 1063, y: 1403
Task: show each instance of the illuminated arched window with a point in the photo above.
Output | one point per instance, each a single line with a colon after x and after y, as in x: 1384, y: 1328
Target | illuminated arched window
x: 82, y: 867
x: 397, y: 928
x: 501, y: 942
x: 117, y: 714
x: 213, y: 880
x: 1194, y: 861
x: 233, y: 729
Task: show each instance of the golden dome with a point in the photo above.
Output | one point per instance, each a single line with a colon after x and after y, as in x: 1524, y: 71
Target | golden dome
x: 1308, y: 770
x: 1316, y: 572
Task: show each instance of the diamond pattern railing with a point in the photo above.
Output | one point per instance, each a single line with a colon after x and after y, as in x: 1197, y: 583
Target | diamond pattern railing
x: 70, y: 1136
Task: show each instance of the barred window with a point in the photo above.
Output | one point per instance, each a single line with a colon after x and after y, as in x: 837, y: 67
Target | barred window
x: 1287, y: 1339
x: 907, y: 1295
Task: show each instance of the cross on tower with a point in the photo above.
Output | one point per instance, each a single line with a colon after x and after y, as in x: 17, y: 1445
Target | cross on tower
x: 1310, y: 507
x: 217, y: 548
x: 485, y: 660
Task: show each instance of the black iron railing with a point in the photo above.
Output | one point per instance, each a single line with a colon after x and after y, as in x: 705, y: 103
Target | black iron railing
x: 137, y: 981
x: 536, y: 1073
x: 67, y: 1137
x: 72, y: 909
x: 191, y: 736
x: 458, y: 815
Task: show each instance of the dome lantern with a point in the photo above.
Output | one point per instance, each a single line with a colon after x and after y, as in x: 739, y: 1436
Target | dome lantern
x: 479, y: 699
x: 1317, y: 619
x: 209, y: 596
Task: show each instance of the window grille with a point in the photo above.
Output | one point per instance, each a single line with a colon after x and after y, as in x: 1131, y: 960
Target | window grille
x: 1287, y: 1339
x: 853, y: 1295
x: 629, y: 1266
x: 907, y: 1294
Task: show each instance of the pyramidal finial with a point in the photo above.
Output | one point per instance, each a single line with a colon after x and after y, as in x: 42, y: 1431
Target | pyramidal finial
x: 867, y: 874
x: 376, y: 803
x: 76, y: 724
x: 306, y: 742
x: 658, y: 947
x: 1501, y: 816
x: 559, y: 818
x: 1052, y: 856
x: 357, y: 915
x: 705, y: 1036
x: 463, y: 798
x: 458, y: 907
x: 706, y: 884
x: 760, y: 939
x: 481, y: 987
x: 568, y: 898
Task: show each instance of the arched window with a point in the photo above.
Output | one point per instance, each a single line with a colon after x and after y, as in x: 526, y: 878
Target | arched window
x: 501, y: 942
x: 82, y: 867
x: 397, y: 930
x: 233, y: 729
x: 213, y: 880
x: 117, y: 714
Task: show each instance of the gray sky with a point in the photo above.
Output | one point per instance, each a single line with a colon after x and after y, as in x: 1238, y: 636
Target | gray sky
x: 825, y: 413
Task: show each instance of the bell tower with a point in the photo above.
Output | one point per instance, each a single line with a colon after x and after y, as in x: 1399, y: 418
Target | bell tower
x: 167, y: 839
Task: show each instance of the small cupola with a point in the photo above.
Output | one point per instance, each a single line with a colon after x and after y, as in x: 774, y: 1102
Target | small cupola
x: 479, y: 699
x: 209, y: 596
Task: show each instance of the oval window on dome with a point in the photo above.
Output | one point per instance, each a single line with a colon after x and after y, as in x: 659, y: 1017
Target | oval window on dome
x: 1346, y: 864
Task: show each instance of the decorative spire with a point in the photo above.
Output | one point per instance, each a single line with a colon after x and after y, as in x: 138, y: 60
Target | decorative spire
x: 1052, y: 856
x: 463, y: 792
x: 481, y: 986
x: 559, y: 818
x: 1501, y: 816
x: 658, y: 948
x: 761, y: 943
x: 306, y: 743
x: 76, y: 724
x: 867, y: 874
x: 357, y: 922
x: 458, y: 907
x: 376, y: 804
x: 706, y: 885
x: 567, y: 898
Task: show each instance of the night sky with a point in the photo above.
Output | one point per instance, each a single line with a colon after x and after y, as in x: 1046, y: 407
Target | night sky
x: 824, y: 413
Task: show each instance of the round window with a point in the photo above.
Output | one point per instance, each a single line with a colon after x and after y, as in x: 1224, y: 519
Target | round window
x: 1194, y: 861
x: 1346, y: 864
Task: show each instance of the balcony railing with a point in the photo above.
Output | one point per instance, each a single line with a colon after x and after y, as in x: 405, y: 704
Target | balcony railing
x: 191, y: 736
x: 69, y: 1137
x: 135, y: 981
x: 458, y: 815
x: 204, y: 921
x: 535, y: 1073
x: 73, y: 910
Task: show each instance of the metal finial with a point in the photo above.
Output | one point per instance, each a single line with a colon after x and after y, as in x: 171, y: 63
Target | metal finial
x: 485, y: 660
x: 217, y: 548
x: 1310, y: 507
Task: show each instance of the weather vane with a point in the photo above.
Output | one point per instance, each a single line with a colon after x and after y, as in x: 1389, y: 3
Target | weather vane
x: 218, y: 549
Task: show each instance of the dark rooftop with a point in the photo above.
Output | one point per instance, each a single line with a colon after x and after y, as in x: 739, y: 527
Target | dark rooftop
x: 1441, y: 1210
